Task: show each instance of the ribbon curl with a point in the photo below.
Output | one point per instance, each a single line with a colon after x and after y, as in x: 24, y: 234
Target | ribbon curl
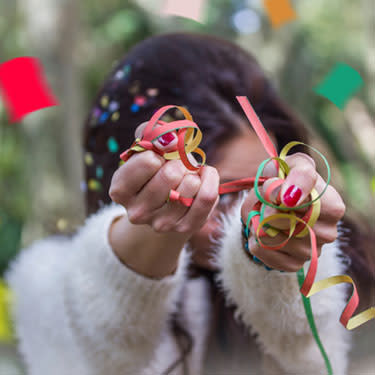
x: 189, y: 138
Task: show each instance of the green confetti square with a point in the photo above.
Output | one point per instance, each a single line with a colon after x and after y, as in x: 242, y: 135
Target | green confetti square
x: 340, y: 84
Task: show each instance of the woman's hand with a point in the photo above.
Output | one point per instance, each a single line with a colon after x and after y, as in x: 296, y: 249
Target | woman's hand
x: 143, y: 183
x: 294, y: 192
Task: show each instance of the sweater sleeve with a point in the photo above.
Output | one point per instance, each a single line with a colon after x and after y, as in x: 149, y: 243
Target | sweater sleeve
x: 78, y: 310
x: 270, y: 304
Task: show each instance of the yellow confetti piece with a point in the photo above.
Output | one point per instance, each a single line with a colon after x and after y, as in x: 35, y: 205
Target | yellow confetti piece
x: 115, y: 116
x: 104, y: 101
x: 5, y: 320
x: 121, y: 163
x: 88, y: 158
x: 94, y: 185
x: 62, y: 224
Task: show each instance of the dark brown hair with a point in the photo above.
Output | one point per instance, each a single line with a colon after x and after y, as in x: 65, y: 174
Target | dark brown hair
x: 204, y: 74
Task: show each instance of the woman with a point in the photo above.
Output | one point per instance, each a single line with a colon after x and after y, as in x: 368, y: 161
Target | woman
x: 141, y: 287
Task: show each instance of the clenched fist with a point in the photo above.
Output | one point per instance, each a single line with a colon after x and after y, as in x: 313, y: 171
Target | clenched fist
x: 294, y: 192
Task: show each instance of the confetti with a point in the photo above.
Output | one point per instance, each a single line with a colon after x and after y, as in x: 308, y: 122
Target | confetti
x: 104, y: 117
x: 373, y: 184
x: 340, y: 84
x: 134, y: 88
x: 112, y: 145
x: 279, y: 12
x: 140, y: 100
x: 127, y: 69
x: 115, y: 116
x: 62, y: 224
x: 94, y: 185
x: 113, y: 106
x: 104, y: 101
x: 152, y: 92
x: 134, y: 108
x: 88, y: 158
x: 192, y: 9
x: 83, y: 186
x: 119, y: 75
x: 121, y: 163
x: 99, y: 172
x: 24, y: 88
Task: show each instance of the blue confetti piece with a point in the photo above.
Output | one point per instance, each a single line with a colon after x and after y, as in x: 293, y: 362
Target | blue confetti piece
x: 104, y: 117
x: 134, y: 108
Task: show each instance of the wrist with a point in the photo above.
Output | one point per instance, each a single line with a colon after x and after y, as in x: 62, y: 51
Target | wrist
x: 138, y: 247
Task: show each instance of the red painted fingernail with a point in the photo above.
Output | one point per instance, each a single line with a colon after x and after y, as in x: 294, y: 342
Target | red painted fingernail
x: 166, y: 139
x: 292, y: 195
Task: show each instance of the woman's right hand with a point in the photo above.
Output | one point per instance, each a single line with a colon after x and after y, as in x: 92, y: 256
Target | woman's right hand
x: 143, y: 183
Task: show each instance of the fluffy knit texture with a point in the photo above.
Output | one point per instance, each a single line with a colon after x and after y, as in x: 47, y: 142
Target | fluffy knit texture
x: 80, y: 311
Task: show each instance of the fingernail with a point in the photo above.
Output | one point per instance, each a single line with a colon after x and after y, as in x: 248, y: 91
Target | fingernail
x: 292, y: 195
x: 166, y: 139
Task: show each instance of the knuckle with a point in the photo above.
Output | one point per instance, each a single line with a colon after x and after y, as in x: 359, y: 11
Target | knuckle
x: 339, y: 210
x: 171, y: 174
x: 306, y: 157
x: 136, y: 216
x: 116, y: 193
x: 193, y: 181
x: 183, y: 228
x: 152, y: 161
x: 208, y: 198
x: 159, y: 226
x: 329, y: 236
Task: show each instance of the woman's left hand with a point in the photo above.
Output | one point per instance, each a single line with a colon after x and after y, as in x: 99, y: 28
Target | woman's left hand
x: 295, y: 191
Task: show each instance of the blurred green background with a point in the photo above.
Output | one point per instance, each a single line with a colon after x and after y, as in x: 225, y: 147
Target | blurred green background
x: 78, y: 42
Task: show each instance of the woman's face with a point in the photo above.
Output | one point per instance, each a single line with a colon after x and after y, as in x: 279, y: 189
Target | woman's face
x: 239, y: 158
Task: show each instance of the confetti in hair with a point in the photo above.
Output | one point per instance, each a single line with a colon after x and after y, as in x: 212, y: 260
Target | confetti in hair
x: 115, y: 116
x: 112, y: 145
x: 88, y: 158
x: 94, y: 185
x: 99, y: 172
x: 104, y: 101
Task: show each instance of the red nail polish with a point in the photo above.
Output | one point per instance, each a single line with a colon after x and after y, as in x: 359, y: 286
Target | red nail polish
x: 292, y: 195
x: 166, y: 139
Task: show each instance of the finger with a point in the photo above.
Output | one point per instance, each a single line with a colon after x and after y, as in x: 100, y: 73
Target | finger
x: 155, y: 193
x: 167, y: 142
x: 129, y: 179
x: 270, y: 169
x: 332, y: 205
x: 248, y: 204
x: 275, y: 259
x: 300, y: 180
x: 274, y: 193
x: 172, y: 212
x: 205, y: 200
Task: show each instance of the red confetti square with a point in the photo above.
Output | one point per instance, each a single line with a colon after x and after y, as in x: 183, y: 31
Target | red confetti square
x: 24, y: 88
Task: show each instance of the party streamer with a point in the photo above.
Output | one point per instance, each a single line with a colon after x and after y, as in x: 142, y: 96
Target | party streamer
x: 189, y: 137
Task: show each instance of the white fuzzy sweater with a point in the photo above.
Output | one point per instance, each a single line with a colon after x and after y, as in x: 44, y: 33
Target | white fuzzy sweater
x: 80, y: 311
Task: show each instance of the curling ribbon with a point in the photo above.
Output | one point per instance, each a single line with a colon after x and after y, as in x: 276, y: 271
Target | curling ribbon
x: 188, y: 133
x: 189, y: 137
